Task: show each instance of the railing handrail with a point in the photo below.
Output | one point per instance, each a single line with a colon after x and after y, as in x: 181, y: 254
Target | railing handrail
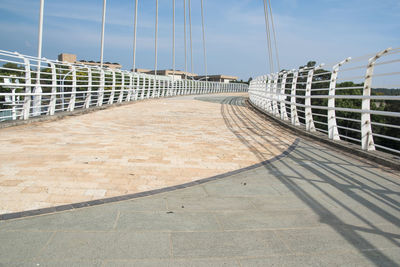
x: 316, y: 94
x: 62, y: 86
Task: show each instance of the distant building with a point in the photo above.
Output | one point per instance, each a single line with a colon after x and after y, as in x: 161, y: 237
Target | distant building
x: 71, y: 58
x: 217, y: 78
x: 178, y: 75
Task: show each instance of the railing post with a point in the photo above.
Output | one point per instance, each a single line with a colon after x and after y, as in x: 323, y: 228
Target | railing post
x: 53, y: 97
x: 367, y: 139
x: 275, y: 110
x: 143, y: 87
x: 130, y: 96
x: 268, y: 94
x: 134, y: 86
x: 89, y: 88
x: 71, y: 105
x: 149, y: 79
x: 122, y: 90
x: 37, y: 91
x: 333, y: 132
x: 155, y: 88
x: 307, y: 102
x: 163, y: 88
x: 168, y: 89
x: 293, y: 106
x: 100, y: 92
x: 113, y: 85
x: 282, y: 97
x: 261, y: 87
x: 28, y: 81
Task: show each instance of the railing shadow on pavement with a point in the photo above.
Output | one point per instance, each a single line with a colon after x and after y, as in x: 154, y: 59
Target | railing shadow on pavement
x: 352, y: 190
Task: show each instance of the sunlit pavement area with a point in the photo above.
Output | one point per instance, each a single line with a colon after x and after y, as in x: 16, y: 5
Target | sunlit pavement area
x: 138, y: 147
x: 307, y: 205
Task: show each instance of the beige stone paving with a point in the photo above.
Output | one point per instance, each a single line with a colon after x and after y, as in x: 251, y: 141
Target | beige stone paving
x: 127, y: 149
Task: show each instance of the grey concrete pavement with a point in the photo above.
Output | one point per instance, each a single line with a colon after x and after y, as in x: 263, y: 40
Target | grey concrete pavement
x: 313, y: 207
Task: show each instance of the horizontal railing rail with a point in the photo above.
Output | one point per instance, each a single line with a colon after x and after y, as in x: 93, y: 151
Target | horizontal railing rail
x: 357, y: 100
x: 31, y: 87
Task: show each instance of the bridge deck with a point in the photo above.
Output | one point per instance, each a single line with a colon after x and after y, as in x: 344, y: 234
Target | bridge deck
x: 314, y: 206
x: 130, y: 149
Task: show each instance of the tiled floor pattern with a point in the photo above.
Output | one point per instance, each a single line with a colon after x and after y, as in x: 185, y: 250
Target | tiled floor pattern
x: 133, y: 148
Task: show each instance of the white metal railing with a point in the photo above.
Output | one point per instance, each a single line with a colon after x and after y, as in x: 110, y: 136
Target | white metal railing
x: 357, y: 99
x: 32, y: 87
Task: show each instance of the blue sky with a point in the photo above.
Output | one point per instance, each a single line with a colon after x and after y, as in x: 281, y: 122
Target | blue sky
x: 320, y: 30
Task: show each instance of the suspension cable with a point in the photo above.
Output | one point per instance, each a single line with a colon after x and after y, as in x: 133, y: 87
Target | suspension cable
x: 191, y: 44
x: 204, y: 39
x: 155, y: 40
x: 273, y: 30
x: 268, y: 36
x: 134, y: 36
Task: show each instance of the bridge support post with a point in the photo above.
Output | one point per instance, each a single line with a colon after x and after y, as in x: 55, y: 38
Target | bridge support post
x: 308, y: 110
x: 367, y: 139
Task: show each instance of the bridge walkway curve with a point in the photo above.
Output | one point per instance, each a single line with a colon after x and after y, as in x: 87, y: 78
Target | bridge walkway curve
x: 278, y: 199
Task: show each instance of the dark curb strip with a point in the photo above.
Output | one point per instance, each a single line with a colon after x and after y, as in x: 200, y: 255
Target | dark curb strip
x: 29, y: 213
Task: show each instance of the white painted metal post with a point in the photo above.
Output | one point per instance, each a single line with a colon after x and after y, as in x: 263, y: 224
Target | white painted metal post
x: 367, y: 140
x: 89, y: 89
x: 333, y: 132
x: 268, y: 106
x: 293, y: 107
x: 307, y: 102
x: 113, y: 85
x: 53, y: 97
x: 149, y: 86
x: 132, y: 90
x: 37, y: 98
x: 134, y: 36
x: 282, y: 97
x: 142, y: 87
x: 204, y: 39
x: 122, y: 89
x: 102, y: 33
x: 100, y: 92
x: 155, y: 41
x: 28, y: 80
x: 275, y: 109
x: 71, y: 105
x: 153, y: 92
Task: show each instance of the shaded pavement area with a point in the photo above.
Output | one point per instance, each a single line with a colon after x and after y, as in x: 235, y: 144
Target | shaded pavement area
x: 311, y: 206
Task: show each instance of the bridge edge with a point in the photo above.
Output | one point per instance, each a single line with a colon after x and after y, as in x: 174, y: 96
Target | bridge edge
x: 373, y: 157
